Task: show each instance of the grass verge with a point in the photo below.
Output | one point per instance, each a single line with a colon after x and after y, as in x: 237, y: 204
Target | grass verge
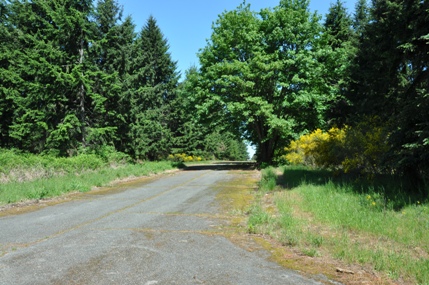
x: 30, y: 177
x: 357, y: 224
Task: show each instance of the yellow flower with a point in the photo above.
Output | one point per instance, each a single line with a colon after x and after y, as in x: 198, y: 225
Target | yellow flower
x: 373, y: 203
x: 368, y: 197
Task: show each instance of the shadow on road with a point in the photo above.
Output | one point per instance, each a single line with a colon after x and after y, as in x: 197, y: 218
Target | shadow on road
x: 222, y: 166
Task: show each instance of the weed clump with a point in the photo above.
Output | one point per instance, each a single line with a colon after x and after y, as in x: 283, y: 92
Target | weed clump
x: 268, y: 180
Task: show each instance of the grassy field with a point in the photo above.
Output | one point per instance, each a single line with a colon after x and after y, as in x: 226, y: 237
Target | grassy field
x: 30, y: 177
x: 373, y: 224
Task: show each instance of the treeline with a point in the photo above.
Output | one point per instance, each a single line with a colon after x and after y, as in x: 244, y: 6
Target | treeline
x: 280, y: 73
x: 75, y: 77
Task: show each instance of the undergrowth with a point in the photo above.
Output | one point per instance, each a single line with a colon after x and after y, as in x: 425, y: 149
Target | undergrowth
x: 27, y: 177
x: 371, y: 223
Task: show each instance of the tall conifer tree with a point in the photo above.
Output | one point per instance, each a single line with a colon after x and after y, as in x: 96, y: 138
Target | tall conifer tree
x: 338, y: 24
x: 153, y: 82
x: 361, y: 17
x: 106, y: 56
x: 8, y: 79
x: 38, y: 63
x: 56, y: 102
x: 341, y: 39
x: 391, y: 81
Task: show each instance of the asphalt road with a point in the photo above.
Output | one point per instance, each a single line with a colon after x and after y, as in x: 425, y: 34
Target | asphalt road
x: 160, y: 231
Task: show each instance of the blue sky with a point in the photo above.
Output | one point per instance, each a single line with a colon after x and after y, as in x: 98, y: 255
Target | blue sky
x: 187, y: 23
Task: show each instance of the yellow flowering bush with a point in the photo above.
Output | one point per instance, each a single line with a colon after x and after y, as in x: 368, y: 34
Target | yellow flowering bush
x: 359, y: 149
x: 182, y: 157
x: 315, y: 149
x: 330, y: 151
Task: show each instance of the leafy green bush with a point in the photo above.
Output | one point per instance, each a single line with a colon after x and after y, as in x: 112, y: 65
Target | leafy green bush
x: 109, y: 154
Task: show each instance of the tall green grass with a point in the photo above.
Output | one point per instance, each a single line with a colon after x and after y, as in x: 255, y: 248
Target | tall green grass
x: 26, y: 176
x: 268, y: 180
x: 373, y: 224
x: 17, y: 167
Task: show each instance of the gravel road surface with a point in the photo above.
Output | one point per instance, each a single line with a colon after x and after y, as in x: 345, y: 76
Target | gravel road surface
x: 164, y: 230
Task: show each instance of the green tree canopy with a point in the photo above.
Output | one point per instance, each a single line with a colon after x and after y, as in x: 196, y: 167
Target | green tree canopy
x: 262, y: 74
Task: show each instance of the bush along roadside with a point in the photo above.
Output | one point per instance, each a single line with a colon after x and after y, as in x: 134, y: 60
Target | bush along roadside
x: 353, y: 223
x: 28, y: 177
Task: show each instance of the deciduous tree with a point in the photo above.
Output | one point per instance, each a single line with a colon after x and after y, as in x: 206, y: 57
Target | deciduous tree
x: 262, y: 74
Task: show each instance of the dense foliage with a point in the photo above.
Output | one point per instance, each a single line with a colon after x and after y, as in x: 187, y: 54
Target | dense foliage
x: 262, y: 74
x: 76, y: 77
x: 280, y: 74
x: 390, y: 80
x: 356, y: 150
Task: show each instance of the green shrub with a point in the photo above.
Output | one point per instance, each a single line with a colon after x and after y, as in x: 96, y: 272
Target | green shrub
x: 268, y: 180
x: 18, y: 166
x: 109, y: 154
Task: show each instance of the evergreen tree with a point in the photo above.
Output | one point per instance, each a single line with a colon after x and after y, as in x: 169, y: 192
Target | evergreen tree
x: 153, y: 83
x: 190, y: 133
x: 391, y: 81
x: 361, y: 17
x: 338, y: 24
x: 37, y: 62
x: 123, y: 63
x: 341, y: 39
x: 8, y: 47
x: 57, y: 106
x: 110, y: 65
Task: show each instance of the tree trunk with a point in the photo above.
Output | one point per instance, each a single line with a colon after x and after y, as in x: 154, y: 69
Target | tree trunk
x: 266, y: 150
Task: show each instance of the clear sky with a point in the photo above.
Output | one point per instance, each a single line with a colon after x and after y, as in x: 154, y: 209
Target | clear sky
x: 186, y: 24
